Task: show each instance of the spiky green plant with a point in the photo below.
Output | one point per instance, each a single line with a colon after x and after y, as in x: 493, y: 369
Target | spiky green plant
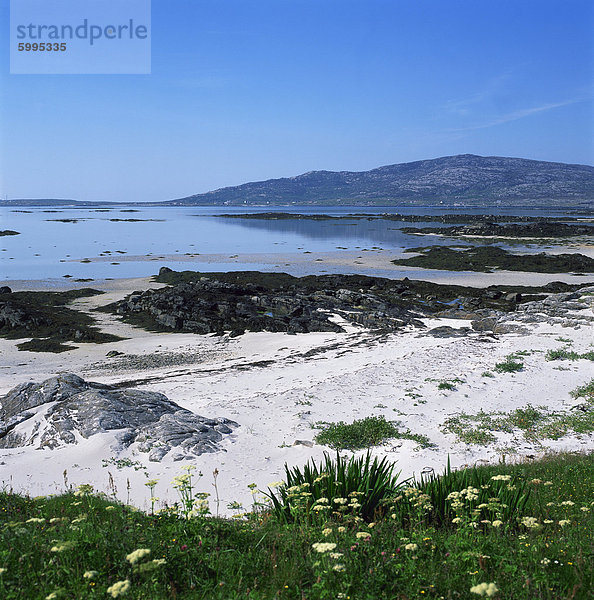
x: 512, y: 496
x: 367, y: 480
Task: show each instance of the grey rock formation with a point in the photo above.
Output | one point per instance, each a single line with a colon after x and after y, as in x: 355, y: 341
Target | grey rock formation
x: 58, y: 410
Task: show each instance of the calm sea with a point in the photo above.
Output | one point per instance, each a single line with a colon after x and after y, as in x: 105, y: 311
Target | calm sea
x: 49, y: 249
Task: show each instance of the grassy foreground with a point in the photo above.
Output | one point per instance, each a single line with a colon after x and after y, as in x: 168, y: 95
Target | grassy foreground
x: 81, y: 545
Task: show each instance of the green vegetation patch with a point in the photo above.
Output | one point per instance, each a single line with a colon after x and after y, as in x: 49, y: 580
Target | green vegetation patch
x: 534, y: 423
x: 566, y: 354
x: 363, y: 433
x: 584, y: 391
x: 511, y: 364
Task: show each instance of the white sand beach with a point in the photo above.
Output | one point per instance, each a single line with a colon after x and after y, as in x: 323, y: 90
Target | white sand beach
x: 277, y: 387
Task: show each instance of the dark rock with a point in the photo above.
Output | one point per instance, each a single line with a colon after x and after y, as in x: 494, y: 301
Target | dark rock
x: 242, y: 301
x: 486, y: 258
x: 45, y: 315
x: 448, y: 332
x: 5, y: 290
x: 541, y: 229
x: 66, y: 406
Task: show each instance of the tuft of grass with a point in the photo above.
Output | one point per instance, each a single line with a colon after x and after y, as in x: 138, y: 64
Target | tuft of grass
x: 584, y: 391
x: 445, y: 385
x: 566, y: 354
x: 535, y: 423
x: 361, y: 433
x: 366, y: 432
x: 509, y: 365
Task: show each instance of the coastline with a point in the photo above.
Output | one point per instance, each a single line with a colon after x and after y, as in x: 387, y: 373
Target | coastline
x: 279, y: 386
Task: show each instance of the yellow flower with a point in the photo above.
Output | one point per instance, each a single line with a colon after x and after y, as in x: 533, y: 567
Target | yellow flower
x: 497, y: 523
x: 336, y: 554
x: 340, y: 500
x: 338, y: 567
x: 412, y: 547
x: 564, y: 522
x: 137, y: 555
x: 110, y: 508
x: 323, y: 547
x: 118, y: 588
x: 2, y: 570
x: 341, y: 529
x: 499, y: 478
x: 484, y: 589
x: 362, y: 534
x: 52, y: 596
x: 327, y: 531
x: 35, y: 520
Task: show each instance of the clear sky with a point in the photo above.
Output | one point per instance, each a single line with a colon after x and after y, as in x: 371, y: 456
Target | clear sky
x: 244, y: 90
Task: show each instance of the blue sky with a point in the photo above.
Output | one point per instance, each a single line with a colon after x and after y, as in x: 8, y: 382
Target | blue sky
x: 242, y: 91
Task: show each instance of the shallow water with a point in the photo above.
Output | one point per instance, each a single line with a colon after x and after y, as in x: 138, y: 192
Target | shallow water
x: 48, y: 249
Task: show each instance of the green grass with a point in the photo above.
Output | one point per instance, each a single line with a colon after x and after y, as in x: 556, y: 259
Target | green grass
x: 533, y: 423
x: 364, y: 433
x: 584, y: 391
x: 445, y: 385
x: 511, y: 364
x: 541, y: 549
x: 566, y: 354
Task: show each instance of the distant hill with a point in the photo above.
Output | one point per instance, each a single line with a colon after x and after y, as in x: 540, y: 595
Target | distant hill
x: 465, y: 179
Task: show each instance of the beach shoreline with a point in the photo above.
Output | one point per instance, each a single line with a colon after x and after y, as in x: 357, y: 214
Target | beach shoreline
x: 278, y: 387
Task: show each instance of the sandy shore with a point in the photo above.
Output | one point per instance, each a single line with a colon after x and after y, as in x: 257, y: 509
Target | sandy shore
x: 279, y: 386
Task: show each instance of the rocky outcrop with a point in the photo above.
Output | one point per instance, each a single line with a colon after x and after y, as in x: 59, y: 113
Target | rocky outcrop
x: 65, y: 408
x: 487, y: 258
x: 210, y: 306
x: 242, y: 301
x: 45, y: 317
x: 513, y: 230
